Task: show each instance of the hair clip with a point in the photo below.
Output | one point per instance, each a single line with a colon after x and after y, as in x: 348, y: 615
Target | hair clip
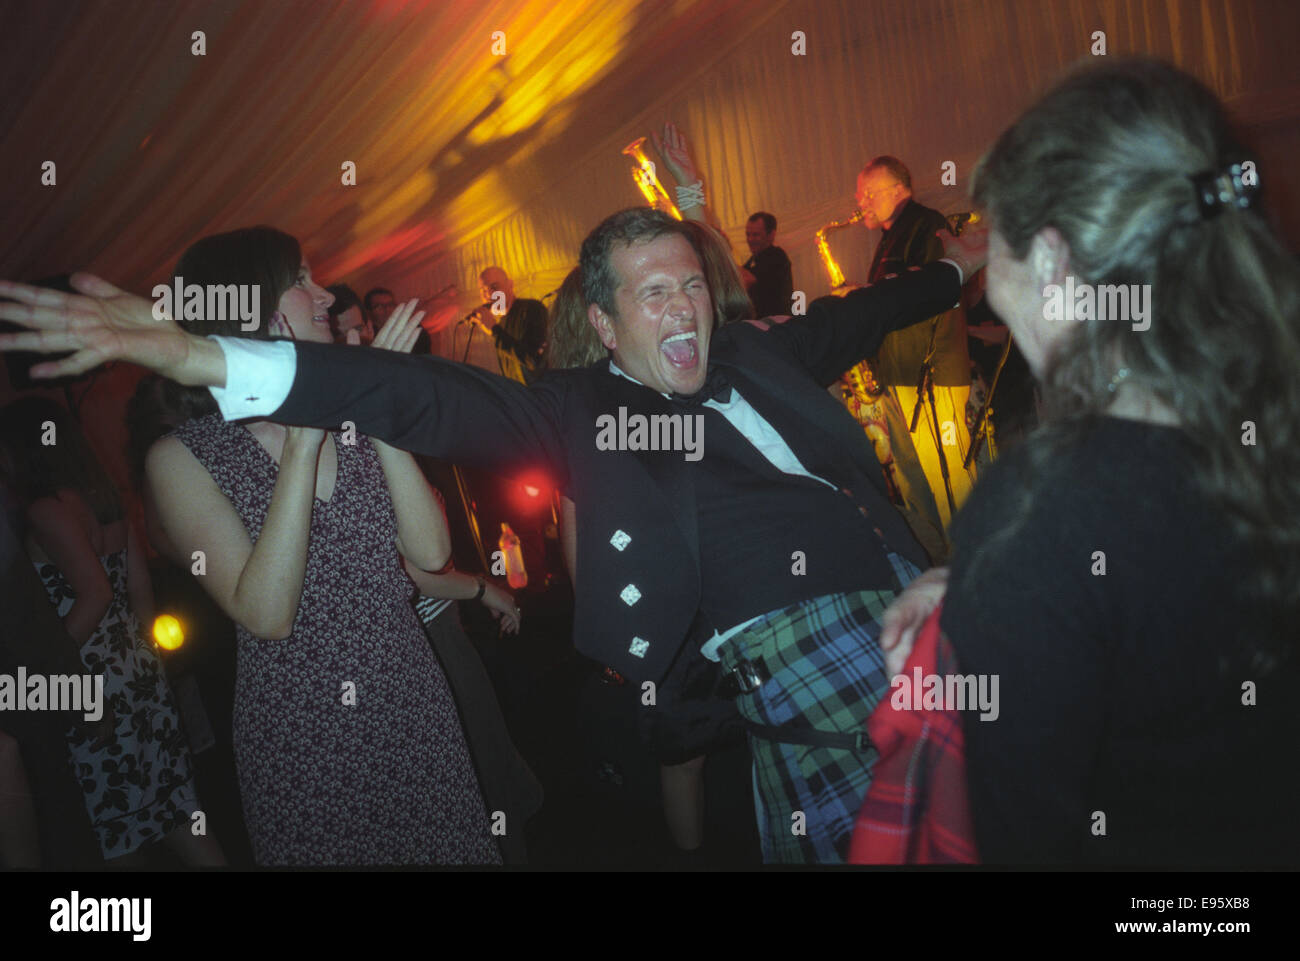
x: 1218, y: 189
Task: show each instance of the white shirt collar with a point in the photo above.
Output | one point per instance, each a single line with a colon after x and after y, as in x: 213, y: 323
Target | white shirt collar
x: 615, y: 369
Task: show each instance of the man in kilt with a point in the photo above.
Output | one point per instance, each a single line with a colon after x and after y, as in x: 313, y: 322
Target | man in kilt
x: 716, y: 480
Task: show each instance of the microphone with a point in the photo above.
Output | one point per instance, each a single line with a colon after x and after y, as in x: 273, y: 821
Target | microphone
x: 957, y: 222
x: 469, y: 318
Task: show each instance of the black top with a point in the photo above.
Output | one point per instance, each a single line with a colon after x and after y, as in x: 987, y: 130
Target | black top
x: 769, y: 539
x: 773, y: 282
x: 912, y: 241
x: 1120, y: 693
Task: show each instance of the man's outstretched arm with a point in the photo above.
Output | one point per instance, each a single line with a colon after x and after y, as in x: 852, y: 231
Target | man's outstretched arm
x: 416, y: 403
x: 427, y: 405
x: 837, y: 332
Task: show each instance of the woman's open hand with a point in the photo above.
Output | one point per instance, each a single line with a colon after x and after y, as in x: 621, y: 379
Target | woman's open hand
x: 402, y: 329
x: 676, y: 154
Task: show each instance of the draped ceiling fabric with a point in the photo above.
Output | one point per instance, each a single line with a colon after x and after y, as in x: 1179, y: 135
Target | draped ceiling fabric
x: 465, y: 158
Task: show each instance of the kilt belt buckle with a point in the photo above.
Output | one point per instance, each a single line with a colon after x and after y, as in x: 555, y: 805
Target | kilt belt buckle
x: 750, y: 675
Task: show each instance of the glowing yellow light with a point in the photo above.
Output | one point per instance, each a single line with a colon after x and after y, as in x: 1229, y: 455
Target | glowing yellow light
x: 646, y: 178
x: 463, y: 130
x: 167, y: 632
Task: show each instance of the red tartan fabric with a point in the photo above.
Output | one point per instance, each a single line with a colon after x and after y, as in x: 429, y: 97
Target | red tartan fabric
x: 916, y: 811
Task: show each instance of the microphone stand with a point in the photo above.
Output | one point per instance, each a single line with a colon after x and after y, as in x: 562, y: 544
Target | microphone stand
x: 470, y: 318
x: 984, y: 418
x: 924, y: 389
x: 925, y: 381
x: 462, y: 486
x: 468, y: 341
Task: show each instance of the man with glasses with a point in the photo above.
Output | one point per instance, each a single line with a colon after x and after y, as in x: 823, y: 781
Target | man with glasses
x: 909, y: 239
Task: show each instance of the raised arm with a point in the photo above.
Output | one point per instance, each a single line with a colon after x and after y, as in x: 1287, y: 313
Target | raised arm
x: 427, y: 405
x: 258, y: 586
x: 837, y: 332
x: 102, y: 324
x: 675, y: 152
x: 423, y: 404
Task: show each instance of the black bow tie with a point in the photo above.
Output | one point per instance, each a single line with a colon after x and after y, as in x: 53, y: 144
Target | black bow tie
x: 716, y: 387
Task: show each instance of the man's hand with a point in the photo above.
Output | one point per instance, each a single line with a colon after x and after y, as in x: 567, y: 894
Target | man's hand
x: 970, y: 250
x: 903, y: 618
x: 402, y: 329
x: 101, y: 324
x: 676, y: 154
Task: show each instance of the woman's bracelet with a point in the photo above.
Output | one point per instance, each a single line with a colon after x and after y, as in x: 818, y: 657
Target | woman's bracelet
x: 690, y: 195
x: 482, y: 587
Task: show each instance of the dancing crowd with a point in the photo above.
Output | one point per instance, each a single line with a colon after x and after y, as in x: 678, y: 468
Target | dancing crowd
x: 1124, y: 581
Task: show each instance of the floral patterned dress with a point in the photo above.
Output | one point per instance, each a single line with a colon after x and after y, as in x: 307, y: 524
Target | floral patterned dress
x: 348, y: 744
x: 140, y: 786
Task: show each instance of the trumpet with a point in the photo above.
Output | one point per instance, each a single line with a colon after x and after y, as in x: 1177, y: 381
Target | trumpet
x: 824, y: 249
x: 648, y: 180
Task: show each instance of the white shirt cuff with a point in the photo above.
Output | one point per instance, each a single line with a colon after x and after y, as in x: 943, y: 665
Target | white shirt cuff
x: 259, y: 374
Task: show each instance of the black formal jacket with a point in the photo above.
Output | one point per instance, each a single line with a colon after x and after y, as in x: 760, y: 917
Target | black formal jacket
x: 636, y: 509
x: 911, y: 242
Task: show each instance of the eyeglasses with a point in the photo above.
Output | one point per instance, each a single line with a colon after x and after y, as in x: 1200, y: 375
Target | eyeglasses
x: 871, y: 194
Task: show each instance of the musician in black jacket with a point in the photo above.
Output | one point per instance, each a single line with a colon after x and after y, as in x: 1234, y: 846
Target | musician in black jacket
x: 775, y: 529
x: 909, y: 239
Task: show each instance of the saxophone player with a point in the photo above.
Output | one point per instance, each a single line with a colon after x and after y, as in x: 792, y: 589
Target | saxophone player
x: 909, y: 239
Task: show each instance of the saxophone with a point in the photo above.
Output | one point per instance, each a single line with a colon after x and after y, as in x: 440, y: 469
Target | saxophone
x: 823, y: 248
x: 859, y: 380
x: 861, y: 393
